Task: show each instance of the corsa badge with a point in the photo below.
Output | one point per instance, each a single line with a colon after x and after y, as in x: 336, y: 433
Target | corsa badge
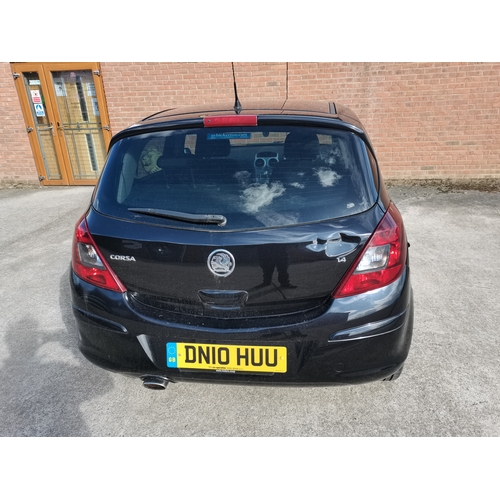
x: 221, y: 263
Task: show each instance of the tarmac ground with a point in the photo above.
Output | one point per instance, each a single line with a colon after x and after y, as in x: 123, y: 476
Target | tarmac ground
x: 449, y: 386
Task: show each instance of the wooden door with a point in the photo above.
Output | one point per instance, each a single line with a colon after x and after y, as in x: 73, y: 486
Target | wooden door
x: 66, y: 118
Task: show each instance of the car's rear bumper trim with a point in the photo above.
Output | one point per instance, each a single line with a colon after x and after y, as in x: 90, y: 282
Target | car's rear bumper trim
x: 372, y: 329
x: 94, y: 320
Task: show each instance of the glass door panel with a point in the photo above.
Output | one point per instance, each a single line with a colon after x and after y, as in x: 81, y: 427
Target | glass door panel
x: 80, y: 122
x: 44, y: 128
x: 64, y: 108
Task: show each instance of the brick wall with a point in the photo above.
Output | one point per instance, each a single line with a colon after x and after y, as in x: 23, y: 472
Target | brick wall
x: 134, y: 90
x: 17, y: 165
x: 426, y: 120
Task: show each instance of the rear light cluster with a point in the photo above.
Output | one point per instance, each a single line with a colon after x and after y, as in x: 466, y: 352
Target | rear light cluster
x: 88, y: 262
x: 382, y: 261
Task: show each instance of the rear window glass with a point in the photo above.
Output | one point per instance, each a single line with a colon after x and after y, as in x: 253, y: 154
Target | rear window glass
x: 254, y: 177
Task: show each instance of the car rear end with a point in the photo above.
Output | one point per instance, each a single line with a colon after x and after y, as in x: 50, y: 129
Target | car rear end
x: 257, y: 247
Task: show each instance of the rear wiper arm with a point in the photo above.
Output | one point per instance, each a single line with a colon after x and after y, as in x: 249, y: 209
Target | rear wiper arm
x: 220, y: 220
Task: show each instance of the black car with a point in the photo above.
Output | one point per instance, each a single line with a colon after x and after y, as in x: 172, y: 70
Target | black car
x: 255, y: 245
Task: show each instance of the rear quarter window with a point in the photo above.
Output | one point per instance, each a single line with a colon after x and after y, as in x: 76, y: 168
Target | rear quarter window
x: 255, y: 177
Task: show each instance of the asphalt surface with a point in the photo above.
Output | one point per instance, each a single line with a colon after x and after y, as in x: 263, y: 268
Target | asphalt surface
x: 449, y: 387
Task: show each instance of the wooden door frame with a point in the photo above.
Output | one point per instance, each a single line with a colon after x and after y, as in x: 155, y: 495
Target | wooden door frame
x: 36, y: 148
x: 44, y: 69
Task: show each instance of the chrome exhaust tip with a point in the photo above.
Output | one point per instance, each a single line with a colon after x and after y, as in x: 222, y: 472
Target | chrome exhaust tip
x: 155, y: 382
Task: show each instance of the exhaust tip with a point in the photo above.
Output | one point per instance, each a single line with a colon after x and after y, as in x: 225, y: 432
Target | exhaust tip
x: 155, y: 382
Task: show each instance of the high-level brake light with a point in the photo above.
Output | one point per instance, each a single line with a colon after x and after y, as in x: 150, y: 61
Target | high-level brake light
x: 230, y: 121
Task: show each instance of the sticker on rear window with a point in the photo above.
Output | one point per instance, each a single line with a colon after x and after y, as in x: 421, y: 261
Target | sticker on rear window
x: 230, y: 135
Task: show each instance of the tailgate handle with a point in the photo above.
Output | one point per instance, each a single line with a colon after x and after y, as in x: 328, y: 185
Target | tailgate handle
x: 223, y: 299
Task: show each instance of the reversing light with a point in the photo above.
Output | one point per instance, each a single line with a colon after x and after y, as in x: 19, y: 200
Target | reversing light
x: 230, y: 121
x: 88, y: 262
x: 382, y: 261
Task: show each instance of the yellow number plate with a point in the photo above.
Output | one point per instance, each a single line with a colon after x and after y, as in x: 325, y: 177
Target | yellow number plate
x: 226, y: 357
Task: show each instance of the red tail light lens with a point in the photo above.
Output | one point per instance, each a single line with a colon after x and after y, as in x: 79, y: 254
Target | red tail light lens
x: 382, y: 261
x: 88, y: 262
x: 230, y: 121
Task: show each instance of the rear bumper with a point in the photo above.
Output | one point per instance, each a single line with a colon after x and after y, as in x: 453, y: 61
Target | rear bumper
x: 358, y: 339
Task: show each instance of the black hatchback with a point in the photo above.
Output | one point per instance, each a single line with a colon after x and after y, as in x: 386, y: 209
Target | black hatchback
x: 254, y: 245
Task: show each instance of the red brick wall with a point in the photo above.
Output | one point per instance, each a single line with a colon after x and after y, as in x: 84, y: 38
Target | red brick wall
x: 426, y: 120
x: 134, y: 90
x: 17, y: 165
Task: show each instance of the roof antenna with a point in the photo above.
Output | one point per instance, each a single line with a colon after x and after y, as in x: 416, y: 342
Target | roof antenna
x: 237, y: 104
x: 286, y: 95
x: 286, y: 82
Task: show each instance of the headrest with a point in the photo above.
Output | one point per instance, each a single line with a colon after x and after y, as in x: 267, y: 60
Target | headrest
x: 216, y: 148
x: 301, y: 145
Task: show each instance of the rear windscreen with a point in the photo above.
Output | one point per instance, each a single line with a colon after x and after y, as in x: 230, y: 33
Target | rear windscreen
x: 253, y: 177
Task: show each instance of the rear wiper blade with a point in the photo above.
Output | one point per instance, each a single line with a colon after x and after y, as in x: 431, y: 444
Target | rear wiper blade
x: 220, y: 220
